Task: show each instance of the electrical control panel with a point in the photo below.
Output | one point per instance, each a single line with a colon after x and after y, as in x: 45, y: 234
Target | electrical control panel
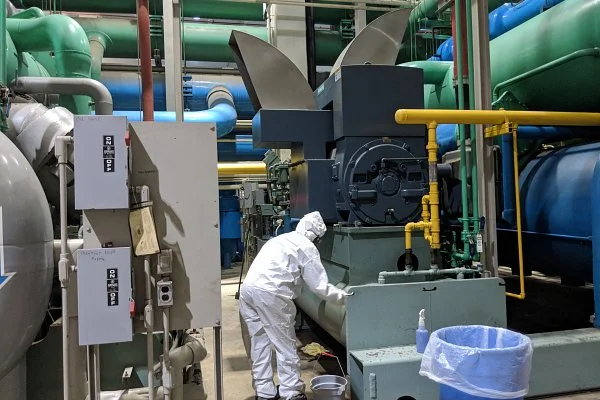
x: 100, y: 158
x: 104, y: 295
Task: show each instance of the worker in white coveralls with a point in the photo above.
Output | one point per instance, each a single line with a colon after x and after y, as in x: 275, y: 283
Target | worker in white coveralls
x: 267, y: 307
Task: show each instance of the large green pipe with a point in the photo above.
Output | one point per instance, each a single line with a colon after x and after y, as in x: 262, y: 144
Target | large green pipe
x: 66, y: 39
x: 3, y: 43
x: 554, y: 55
x: 428, y: 9
x: 565, y: 29
x: 212, y: 9
x: 203, y: 42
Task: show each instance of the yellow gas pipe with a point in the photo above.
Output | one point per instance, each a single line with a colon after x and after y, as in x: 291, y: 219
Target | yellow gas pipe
x: 241, y: 168
x: 503, y: 122
x: 430, y: 225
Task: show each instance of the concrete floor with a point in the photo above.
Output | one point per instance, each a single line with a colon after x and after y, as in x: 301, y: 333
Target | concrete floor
x: 236, y: 376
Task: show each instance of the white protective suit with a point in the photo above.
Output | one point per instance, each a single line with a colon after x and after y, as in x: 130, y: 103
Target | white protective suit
x: 273, y: 281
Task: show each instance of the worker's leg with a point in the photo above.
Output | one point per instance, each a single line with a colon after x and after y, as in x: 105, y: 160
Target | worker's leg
x: 260, y: 347
x: 278, y: 316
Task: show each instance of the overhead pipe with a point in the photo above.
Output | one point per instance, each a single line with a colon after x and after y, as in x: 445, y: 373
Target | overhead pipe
x: 145, y: 52
x: 221, y: 111
x: 66, y: 39
x: 500, y: 117
x: 98, y: 44
x: 72, y: 86
x: 202, y: 41
x: 496, y: 117
x: 501, y: 20
x: 3, y: 43
x: 125, y: 89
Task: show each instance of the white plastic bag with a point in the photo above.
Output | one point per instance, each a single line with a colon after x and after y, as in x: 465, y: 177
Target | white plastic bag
x: 479, y: 361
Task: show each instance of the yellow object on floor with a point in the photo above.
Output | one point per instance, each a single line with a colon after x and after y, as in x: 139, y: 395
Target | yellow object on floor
x: 314, y: 349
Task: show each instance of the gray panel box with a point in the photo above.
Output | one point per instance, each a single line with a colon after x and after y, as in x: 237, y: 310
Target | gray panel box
x: 104, y: 295
x: 100, y: 162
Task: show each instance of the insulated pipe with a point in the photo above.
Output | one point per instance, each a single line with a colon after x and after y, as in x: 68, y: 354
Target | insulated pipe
x: 98, y: 43
x: 202, y: 41
x: 66, y: 39
x: 32, y: 12
x: 501, y: 20
x: 72, y: 86
x: 3, y: 52
x: 434, y: 72
x: 221, y: 112
x: 145, y: 52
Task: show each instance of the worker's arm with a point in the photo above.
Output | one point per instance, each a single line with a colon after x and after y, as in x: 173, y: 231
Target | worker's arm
x: 316, y: 280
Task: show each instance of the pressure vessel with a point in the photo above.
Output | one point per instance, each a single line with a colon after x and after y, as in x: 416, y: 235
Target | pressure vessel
x: 557, y: 207
x: 26, y: 257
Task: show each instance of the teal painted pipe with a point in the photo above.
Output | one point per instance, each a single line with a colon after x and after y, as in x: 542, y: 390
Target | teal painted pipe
x: 211, y: 9
x: 203, y: 42
x: 434, y: 72
x: 3, y: 42
x: 66, y: 39
x: 563, y: 30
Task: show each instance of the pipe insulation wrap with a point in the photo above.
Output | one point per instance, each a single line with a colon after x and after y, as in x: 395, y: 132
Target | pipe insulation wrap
x: 34, y: 129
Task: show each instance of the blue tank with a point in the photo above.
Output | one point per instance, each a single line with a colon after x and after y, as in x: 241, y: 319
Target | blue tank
x: 229, y: 216
x: 556, y: 206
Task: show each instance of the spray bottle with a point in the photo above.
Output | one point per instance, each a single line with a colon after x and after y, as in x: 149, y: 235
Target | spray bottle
x: 422, y: 333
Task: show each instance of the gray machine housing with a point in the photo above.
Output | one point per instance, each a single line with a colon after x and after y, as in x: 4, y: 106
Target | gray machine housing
x: 350, y: 160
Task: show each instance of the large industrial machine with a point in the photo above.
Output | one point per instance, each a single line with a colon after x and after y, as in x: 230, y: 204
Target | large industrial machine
x: 135, y: 204
x: 367, y: 176
x: 375, y: 183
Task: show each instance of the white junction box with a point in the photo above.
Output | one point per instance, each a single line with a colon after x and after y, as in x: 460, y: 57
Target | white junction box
x: 100, y: 158
x: 104, y: 295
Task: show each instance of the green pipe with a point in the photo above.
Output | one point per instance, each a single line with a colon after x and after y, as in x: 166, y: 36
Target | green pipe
x: 211, y: 9
x: 3, y: 42
x: 461, y: 128
x: 98, y: 44
x: 434, y: 72
x: 65, y: 38
x: 473, y: 134
x: 33, y: 12
x: 593, y: 52
x: 565, y: 28
x: 203, y: 42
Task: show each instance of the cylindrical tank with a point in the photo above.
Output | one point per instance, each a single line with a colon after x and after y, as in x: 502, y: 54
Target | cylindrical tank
x: 26, y: 269
x: 231, y: 233
x: 556, y: 209
x: 563, y: 30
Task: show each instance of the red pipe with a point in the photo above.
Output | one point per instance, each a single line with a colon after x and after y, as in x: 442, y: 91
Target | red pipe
x: 143, y: 16
x: 464, y: 41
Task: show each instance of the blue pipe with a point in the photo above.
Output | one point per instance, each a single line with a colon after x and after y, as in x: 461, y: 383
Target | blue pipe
x: 222, y: 114
x: 126, y: 90
x: 239, y: 150
x: 502, y: 20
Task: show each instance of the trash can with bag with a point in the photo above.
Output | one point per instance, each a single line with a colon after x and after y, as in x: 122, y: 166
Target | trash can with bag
x: 478, y: 362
